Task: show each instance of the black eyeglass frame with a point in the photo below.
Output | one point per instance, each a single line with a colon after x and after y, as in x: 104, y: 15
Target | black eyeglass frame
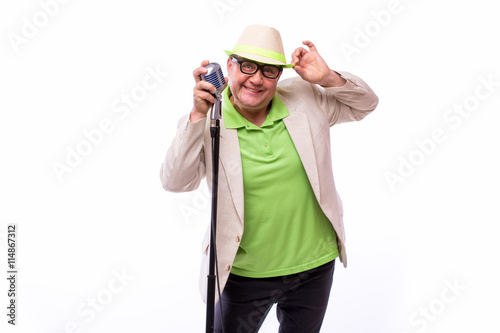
x: 259, y: 67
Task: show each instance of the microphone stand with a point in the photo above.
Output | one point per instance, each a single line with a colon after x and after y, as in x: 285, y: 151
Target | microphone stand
x: 215, y: 135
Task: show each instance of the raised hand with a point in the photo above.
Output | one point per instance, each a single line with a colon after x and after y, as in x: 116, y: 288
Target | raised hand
x: 312, y: 68
x: 202, y: 97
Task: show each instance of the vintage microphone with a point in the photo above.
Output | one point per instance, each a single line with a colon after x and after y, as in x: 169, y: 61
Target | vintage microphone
x: 214, y: 76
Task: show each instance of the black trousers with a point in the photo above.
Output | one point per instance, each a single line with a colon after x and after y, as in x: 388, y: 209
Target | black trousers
x: 301, y: 301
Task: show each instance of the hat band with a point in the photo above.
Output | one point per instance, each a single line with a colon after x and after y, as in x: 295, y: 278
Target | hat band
x: 260, y: 51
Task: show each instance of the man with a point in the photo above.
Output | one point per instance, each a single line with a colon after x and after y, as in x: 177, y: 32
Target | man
x: 279, y: 223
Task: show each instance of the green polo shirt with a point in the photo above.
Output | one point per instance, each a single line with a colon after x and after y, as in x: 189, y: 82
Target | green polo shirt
x: 285, y: 229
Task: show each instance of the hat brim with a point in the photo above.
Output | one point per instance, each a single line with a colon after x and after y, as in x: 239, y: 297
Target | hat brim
x: 259, y: 58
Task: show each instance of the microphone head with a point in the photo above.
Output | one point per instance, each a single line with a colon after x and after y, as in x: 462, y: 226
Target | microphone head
x: 214, y: 76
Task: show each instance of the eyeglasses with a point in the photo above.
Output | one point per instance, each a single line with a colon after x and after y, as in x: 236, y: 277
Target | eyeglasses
x: 250, y: 67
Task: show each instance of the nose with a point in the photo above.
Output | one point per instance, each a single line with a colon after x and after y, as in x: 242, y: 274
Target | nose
x: 257, y: 77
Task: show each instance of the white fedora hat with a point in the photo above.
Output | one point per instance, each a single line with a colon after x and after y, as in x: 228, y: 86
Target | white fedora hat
x: 262, y: 44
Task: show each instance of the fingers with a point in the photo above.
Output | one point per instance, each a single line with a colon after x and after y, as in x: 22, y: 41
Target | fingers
x: 298, y: 54
x: 201, y: 84
x: 203, y: 97
x: 200, y: 70
x: 202, y: 101
x: 310, y: 45
x: 203, y: 92
x: 301, y: 52
x: 205, y: 86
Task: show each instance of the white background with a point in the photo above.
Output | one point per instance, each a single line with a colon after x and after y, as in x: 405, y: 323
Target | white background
x: 407, y: 243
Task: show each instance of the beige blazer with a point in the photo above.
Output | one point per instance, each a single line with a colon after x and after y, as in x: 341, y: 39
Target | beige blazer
x: 313, y: 110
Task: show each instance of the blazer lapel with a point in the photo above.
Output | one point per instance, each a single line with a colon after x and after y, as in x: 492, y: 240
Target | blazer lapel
x: 298, y: 128
x: 230, y: 159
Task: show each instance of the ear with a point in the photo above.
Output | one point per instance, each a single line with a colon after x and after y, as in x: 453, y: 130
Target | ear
x: 229, y: 64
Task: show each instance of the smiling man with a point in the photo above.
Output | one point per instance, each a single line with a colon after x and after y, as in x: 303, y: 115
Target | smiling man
x: 280, y: 225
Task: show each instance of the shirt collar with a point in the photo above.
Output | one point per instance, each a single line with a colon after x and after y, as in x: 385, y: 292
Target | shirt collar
x: 233, y: 119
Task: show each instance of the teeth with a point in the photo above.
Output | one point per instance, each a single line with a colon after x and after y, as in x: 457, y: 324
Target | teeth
x: 252, y: 90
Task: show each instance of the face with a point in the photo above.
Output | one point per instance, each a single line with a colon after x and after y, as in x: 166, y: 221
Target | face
x: 251, y: 93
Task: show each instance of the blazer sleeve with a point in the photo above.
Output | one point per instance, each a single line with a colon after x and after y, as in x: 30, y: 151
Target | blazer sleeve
x: 351, y: 102
x: 184, y: 165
